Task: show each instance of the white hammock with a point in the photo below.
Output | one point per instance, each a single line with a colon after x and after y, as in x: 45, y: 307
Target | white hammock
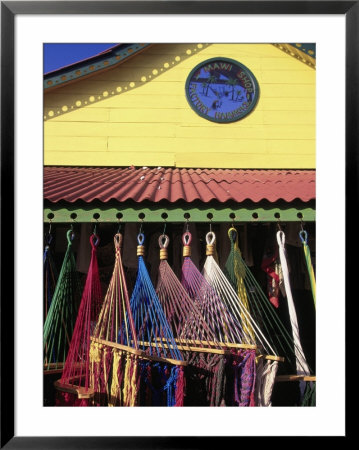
x: 217, y: 279
x: 301, y: 363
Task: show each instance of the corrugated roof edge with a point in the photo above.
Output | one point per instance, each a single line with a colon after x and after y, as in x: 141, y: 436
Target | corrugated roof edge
x: 156, y: 184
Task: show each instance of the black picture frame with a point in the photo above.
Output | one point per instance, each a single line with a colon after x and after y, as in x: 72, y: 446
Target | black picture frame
x: 9, y: 10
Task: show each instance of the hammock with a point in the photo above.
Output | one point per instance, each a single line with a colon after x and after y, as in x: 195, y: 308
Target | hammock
x: 162, y: 380
x: 237, y: 302
x: 59, y: 323
x: 302, y: 368
x: 277, y: 339
x: 234, y: 375
x: 182, y: 314
x: 192, y: 333
x: 74, y: 386
x: 50, y: 274
x: 114, y: 365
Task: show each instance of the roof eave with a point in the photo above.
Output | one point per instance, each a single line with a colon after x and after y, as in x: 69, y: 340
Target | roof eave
x: 92, y: 66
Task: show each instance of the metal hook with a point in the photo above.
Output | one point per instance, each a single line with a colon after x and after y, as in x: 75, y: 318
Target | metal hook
x: 210, y: 226
x: 94, y: 230
x: 187, y: 225
x: 278, y: 225
x: 141, y: 227
x: 119, y: 227
x: 164, y: 229
x: 49, y: 232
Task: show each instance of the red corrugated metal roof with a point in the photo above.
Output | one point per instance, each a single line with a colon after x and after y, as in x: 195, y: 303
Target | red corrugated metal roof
x: 155, y: 184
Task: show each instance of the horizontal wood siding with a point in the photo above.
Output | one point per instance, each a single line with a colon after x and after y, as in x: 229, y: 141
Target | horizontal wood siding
x: 137, y: 114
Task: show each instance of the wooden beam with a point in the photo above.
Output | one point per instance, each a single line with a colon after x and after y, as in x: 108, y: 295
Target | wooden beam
x: 139, y: 353
x: 295, y: 378
x: 80, y: 391
x: 214, y: 344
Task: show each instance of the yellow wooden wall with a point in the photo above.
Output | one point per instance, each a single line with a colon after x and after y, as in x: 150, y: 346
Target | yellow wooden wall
x: 137, y: 114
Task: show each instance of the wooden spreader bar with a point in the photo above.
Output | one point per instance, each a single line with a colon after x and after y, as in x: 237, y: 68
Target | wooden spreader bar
x: 80, y: 391
x: 188, y: 348
x: 53, y: 368
x: 223, y: 345
x: 139, y: 352
x: 272, y: 357
x: 295, y: 378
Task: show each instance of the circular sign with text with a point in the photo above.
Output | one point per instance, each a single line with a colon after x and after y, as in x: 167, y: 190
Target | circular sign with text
x: 222, y: 90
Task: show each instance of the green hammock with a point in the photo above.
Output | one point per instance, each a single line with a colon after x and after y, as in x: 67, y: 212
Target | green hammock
x: 60, y: 319
x: 50, y: 275
x: 262, y: 310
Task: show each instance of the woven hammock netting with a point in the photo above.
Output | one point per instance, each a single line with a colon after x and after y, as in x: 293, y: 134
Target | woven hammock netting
x: 50, y: 274
x: 280, y: 339
x: 205, y: 373
x: 76, y: 373
x: 113, y: 370
x: 60, y: 320
x: 210, y: 338
x: 233, y: 373
x: 163, y: 382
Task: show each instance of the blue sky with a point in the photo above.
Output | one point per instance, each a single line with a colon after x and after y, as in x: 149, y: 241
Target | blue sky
x: 59, y: 55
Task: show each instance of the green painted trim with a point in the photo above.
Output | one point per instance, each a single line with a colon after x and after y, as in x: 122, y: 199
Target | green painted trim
x: 176, y: 214
x: 81, y: 71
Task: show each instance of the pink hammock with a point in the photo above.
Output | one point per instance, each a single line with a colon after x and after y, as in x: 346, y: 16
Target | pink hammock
x: 183, y: 315
x: 73, y: 389
x: 193, y: 334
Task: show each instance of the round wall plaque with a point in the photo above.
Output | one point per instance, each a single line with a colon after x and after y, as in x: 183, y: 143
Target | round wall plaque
x: 222, y: 90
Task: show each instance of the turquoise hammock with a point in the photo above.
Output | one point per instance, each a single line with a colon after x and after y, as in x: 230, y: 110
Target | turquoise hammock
x: 155, y: 338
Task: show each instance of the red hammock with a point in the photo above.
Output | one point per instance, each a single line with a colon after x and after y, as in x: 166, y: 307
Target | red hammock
x: 73, y: 389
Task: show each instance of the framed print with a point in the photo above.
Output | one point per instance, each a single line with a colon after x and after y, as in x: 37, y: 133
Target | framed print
x: 208, y: 151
